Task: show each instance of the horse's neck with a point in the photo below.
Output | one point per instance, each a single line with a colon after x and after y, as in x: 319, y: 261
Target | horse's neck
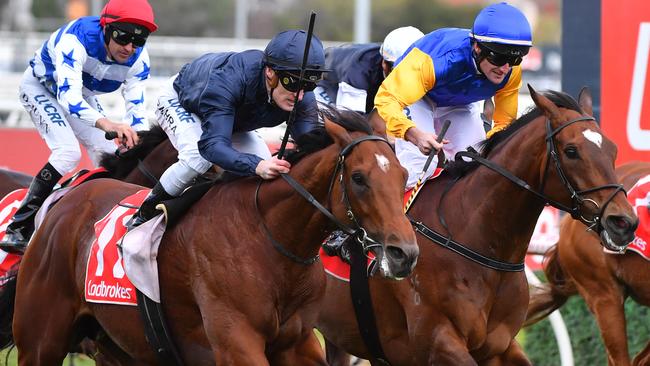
x: 291, y: 219
x: 505, y: 214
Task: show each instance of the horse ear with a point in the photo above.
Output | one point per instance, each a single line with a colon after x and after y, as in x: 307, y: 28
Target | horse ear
x: 339, y: 134
x: 377, y: 123
x: 585, y: 101
x: 549, y: 108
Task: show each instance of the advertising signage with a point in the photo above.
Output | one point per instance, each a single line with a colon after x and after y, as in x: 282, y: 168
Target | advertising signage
x: 625, y: 92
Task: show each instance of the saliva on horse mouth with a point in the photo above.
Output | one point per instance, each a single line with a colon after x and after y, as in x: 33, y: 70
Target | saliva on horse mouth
x: 609, y: 244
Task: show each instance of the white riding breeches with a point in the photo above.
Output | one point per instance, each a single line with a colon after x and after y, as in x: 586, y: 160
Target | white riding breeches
x: 62, y: 131
x: 466, y: 130
x: 184, y: 131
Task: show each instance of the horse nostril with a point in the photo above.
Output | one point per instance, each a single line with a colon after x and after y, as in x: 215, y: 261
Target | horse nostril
x: 396, y: 254
x: 622, y: 223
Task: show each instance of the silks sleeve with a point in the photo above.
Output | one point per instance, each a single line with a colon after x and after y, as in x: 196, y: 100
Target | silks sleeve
x: 506, y: 102
x: 413, y: 77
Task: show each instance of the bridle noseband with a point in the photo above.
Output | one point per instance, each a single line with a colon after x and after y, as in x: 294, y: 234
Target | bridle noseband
x: 356, y: 231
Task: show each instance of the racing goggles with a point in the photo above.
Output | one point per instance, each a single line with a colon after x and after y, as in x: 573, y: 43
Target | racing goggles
x: 123, y: 38
x: 291, y: 80
x: 500, y: 59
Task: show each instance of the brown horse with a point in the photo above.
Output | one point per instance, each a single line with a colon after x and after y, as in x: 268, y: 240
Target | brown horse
x: 578, y: 265
x: 453, y: 310
x: 145, y: 162
x: 141, y: 165
x: 230, y: 296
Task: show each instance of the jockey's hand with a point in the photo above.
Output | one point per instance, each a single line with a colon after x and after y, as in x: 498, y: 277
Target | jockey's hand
x: 125, y: 134
x: 269, y: 169
x: 425, y: 141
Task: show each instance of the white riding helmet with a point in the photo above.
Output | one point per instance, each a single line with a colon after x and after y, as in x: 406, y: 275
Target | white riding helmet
x: 398, y: 41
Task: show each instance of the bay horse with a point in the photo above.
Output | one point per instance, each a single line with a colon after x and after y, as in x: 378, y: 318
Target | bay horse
x: 142, y: 165
x: 229, y: 295
x: 453, y: 310
x: 577, y: 264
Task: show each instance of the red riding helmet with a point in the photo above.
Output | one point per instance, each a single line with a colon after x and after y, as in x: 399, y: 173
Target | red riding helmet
x: 128, y: 11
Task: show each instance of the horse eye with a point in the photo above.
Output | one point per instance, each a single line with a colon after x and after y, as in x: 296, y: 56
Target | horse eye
x: 358, y: 178
x: 571, y: 152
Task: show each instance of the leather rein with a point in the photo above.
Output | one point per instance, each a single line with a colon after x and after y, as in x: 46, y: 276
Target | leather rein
x: 577, y: 198
x: 356, y: 231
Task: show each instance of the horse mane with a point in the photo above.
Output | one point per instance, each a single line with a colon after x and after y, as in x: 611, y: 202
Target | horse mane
x: 119, y: 166
x: 318, y: 138
x: 460, y: 167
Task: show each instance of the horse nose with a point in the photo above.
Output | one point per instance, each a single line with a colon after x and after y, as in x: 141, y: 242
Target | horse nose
x: 622, y: 225
x: 402, y: 260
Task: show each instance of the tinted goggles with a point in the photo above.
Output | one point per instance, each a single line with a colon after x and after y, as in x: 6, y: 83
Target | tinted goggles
x: 123, y: 38
x: 500, y: 59
x: 290, y: 80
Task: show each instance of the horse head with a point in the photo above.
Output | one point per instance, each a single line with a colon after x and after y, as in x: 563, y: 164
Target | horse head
x: 370, y: 183
x: 580, y: 159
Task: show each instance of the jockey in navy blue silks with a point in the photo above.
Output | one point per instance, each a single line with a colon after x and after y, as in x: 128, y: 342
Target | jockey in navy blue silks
x: 211, y: 109
x: 357, y: 70
x: 84, y: 58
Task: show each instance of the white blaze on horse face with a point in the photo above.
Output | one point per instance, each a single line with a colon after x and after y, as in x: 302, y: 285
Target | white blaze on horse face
x: 383, y: 162
x: 594, y: 137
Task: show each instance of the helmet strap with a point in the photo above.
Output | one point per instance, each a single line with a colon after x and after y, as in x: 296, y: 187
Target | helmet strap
x: 478, y: 57
x: 107, y: 34
x: 272, y: 81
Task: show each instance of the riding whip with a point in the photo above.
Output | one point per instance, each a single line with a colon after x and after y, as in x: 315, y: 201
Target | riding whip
x: 292, y: 115
x: 433, y: 153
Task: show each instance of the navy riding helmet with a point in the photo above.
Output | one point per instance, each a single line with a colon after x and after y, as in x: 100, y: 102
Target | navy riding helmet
x: 286, y: 50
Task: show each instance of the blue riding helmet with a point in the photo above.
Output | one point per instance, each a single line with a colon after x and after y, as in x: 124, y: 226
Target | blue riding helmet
x: 504, y: 29
x: 286, y: 50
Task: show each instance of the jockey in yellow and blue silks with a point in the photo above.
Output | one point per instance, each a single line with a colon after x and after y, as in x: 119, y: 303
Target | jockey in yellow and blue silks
x: 454, y: 70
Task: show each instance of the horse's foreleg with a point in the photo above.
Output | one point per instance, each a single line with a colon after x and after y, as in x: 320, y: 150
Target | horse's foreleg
x: 513, y: 356
x: 606, y: 303
x: 42, y: 334
x: 448, y: 349
x: 236, y: 344
x: 335, y: 355
x: 307, y: 352
x: 643, y: 357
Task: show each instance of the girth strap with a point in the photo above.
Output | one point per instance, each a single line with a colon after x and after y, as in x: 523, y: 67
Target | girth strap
x: 362, y: 302
x: 468, y: 253
x: 156, y: 331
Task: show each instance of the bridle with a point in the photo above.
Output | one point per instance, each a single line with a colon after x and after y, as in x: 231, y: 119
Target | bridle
x: 577, y: 197
x: 356, y: 231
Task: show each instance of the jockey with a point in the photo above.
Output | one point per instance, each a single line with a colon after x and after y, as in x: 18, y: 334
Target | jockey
x: 455, y: 69
x: 357, y: 70
x: 88, y: 56
x: 212, y: 107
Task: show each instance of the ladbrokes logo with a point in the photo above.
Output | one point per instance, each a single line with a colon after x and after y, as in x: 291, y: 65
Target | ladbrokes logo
x: 113, y: 291
x: 106, y: 280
